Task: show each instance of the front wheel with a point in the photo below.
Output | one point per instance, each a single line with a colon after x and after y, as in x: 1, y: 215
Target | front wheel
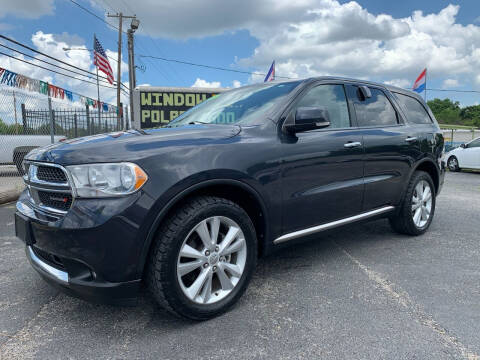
x: 418, y: 206
x: 452, y: 164
x: 203, y: 258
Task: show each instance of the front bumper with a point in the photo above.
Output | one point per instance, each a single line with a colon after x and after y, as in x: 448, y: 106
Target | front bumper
x: 93, y: 252
x: 123, y: 293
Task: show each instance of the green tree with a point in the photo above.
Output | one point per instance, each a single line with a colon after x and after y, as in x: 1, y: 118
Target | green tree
x: 9, y: 129
x: 471, y: 115
x: 438, y: 105
x: 446, y: 111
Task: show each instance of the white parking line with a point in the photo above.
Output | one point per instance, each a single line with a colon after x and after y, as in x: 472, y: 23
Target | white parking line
x: 403, y: 298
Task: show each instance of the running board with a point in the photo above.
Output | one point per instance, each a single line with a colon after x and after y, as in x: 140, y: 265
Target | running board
x: 331, y: 225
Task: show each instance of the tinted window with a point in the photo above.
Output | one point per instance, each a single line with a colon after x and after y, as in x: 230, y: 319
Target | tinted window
x: 374, y: 111
x: 333, y: 99
x: 474, y: 143
x: 245, y: 105
x: 416, y: 113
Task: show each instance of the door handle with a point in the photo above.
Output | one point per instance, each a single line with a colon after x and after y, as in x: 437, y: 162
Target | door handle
x: 410, y: 139
x: 352, y: 144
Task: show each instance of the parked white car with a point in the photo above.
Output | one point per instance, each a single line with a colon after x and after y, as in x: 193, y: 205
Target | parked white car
x: 15, y: 147
x: 466, y: 156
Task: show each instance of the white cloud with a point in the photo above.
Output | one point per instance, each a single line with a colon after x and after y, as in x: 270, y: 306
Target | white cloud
x: 344, y: 39
x: 188, y: 18
x: 54, y: 44
x: 236, y: 83
x: 402, y: 83
x: 205, y: 84
x: 31, y: 9
x: 326, y: 37
x: 450, y: 83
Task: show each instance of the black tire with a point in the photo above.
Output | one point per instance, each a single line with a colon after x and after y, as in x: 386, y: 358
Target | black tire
x: 403, y: 222
x: 161, y: 275
x: 452, y: 164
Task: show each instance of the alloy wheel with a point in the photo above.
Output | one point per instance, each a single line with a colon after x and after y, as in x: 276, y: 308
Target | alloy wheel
x: 453, y: 164
x: 211, y: 260
x: 421, y: 203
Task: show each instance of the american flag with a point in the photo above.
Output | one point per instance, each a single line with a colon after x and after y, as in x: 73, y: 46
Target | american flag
x: 100, y: 59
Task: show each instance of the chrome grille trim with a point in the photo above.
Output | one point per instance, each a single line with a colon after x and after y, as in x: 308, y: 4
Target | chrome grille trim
x: 32, y: 174
x: 34, y: 185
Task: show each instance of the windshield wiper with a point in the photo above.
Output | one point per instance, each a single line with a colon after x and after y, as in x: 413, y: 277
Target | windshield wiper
x: 197, y: 122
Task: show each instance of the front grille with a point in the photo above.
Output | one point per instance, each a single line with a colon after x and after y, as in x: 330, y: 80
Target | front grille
x: 56, y: 200
x: 51, y: 174
x: 48, y: 187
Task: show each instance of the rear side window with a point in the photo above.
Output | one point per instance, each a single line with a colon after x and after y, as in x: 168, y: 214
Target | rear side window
x: 374, y: 111
x: 416, y: 113
x: 332, y: 98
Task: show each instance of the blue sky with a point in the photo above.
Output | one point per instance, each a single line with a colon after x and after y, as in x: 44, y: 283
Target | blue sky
x: 380, y: 40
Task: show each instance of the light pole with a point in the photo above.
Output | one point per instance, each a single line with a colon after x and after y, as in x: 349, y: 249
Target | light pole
x: 131, y: 64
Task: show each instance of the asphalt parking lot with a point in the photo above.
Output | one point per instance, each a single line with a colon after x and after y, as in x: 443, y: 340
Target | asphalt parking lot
x: 359, y: 293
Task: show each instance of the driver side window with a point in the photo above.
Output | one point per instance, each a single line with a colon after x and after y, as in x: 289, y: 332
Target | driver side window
x: 333, y: 99
x: 474, y: 144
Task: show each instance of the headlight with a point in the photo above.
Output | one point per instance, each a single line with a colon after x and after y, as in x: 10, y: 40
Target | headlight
x: 106, y: 180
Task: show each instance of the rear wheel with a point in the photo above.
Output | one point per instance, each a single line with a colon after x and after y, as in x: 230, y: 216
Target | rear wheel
x: 418, y: 206
x: 452, y: 164
x: 203, y: 258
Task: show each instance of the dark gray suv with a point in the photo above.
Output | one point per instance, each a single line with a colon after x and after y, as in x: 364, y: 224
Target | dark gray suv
x: 188, y: 208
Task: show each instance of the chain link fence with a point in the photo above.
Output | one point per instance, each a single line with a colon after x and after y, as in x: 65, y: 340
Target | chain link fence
x: 29, y: 120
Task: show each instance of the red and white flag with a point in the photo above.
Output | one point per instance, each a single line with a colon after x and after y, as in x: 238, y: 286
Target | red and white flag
x: 420, y: 84
x: 101, y: 61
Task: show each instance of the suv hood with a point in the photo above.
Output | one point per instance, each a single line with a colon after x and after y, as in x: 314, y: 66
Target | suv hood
x: 132, y: 145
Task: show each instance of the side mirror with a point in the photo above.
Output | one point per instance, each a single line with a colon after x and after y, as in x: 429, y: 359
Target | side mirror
x: 365, y: 91
x: 463, y: 146
x: 309, y: 118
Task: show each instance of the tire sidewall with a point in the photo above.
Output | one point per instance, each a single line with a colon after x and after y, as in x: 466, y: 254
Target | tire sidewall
x: 408, y: 202
x: 174, y: 293
x: 456, y: 168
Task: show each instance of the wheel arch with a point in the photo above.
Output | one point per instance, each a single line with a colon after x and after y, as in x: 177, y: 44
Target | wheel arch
x: 237, y: 191
x: 455, y: 156
x: 430, y: 168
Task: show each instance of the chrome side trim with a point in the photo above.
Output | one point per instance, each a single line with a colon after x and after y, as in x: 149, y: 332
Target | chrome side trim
x: 331, y: 225
x: 56, y: 273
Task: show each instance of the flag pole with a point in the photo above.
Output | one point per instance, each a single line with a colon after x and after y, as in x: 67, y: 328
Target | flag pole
x: 98, y: 101
x: 426, y: 85
x: 98, y: 88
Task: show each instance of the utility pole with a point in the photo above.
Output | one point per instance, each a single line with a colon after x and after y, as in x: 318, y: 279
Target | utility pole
x: 131, y: 64
x: 120, y: 17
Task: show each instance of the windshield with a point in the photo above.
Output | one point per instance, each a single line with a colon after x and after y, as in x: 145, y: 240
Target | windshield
x: 246, y: 105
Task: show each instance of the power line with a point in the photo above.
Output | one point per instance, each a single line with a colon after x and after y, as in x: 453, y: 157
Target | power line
x: 451, y: 90
x: 50, y: 57
x: 49, y: 63
x: 165, y: 75
x: 59, y: 73
x: 95, y: 15
x: 210, y: 66
x: 138, y: 42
